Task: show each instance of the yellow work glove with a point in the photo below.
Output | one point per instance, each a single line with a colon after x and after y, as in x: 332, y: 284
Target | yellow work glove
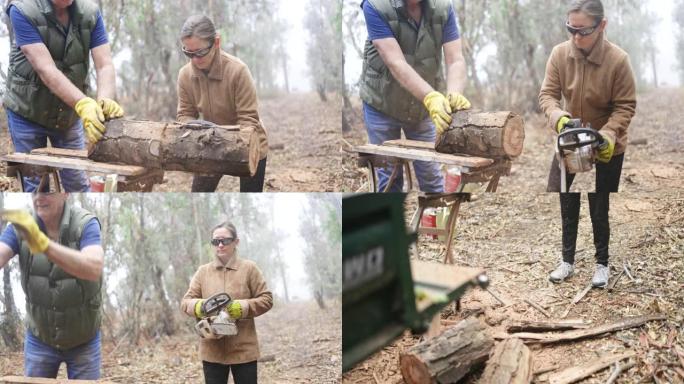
x: 605, y: 150
x: 457, y: 101
x: 28, y: 228
x: 235, y: 310
x: 439, y: 109
x: 198, y: 309
x: 93, y: 118
x: 110, y: 108
x: 560, y: 125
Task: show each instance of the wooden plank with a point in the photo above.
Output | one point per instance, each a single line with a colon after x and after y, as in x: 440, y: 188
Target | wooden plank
x: 423, y: 155
x: 573, y: 374
x: 404, y: 143
x: 63, y: 152
x: 40, y: 380
x: 74, y: 163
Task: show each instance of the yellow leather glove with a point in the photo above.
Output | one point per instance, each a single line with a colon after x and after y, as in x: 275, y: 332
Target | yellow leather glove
x: 235, y: 310
x: 28, y: 228
x: 198, y: 309
x: 93, y: 118
x: 439, y: 109
x: 457, y: 101
x: 110, y: 108
x: 560, y: 125
x: 605, y: 150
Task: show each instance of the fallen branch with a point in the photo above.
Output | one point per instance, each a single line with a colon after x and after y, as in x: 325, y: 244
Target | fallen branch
x: 548, y: 368
x: 614, y: 282
x: 537, y: 307
x: 626, y: 269
x: 573, y: 374
x: 499, y: 299
x: 580, y: 295
x: 618, y: 370
x: 625, y: 323
x: 540, y: 326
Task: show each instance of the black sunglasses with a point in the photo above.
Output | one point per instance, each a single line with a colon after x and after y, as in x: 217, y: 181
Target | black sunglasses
x: 226, y: 241
x: 198, y: 53
x: 582, y: 31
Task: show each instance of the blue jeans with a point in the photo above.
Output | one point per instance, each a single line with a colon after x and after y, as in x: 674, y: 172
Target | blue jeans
x: 82, y: 362
x: 381, y: 127
x: 27, y: 135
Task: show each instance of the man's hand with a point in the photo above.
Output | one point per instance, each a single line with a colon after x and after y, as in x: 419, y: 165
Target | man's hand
x: 28, y: 228
x: 93, y: 118
x: 606, y: 149
x: 439, y: 109
x: 457, y: 101
x: 110, y: 108
x: 235, y: 310
x: 560, y: 125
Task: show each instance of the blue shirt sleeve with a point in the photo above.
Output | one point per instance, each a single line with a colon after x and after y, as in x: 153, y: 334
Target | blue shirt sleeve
x: 9, y: 237
x: 24, y: 32
x: 450, y: 29
x: 98, y: 36
x: 90, y: 234
x: 377, y: 27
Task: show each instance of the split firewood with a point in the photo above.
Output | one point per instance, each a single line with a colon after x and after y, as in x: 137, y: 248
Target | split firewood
x: 551, y: 325
x: 573, y: 374
x: 509, y: 362
x: 547, y: 338
x: 448, y: 357
x: 485, y: 134
x: 208, y: 149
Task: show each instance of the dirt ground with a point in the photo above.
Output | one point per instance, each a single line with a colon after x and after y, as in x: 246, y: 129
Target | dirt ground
x: 303, y: 134
x: 299, y: 342
x: 658, y: 164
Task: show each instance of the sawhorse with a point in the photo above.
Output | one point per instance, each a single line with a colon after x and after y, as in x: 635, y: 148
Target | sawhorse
x: 451, y: 201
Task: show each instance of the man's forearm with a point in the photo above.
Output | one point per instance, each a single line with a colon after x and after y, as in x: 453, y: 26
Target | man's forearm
x: 61, y: 86
x: 106, y: 82
x: 82, y: 265
x: 410, y: 79
x: 456, y: 76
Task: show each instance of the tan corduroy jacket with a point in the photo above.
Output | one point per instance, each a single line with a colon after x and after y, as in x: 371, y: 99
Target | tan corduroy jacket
x: 243, y: 281
x: 225, y: 95
x: 598, y: 89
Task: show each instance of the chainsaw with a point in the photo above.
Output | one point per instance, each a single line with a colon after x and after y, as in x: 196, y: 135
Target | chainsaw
x: 217, y: 322
x: 576, y: 149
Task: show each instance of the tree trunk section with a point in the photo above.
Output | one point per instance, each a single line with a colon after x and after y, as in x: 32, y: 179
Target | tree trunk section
x: 510, y: 362
x: 484, y: 134
x: 448, y: 357
x: 226, y: 150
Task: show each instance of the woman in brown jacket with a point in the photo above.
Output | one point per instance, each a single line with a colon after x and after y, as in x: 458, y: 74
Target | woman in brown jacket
x: 217, y: 87
x: 243, y: 282
x: 596, y: 82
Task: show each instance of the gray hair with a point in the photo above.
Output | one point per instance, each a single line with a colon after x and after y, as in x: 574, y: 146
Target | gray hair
x: 227, y: 225
x: 591, y: 8
x: 199, y: 26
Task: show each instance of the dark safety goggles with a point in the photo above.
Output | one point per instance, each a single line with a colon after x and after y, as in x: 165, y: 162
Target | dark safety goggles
x: 582, y: 31
x: 198, y: 53
x: 226, y: 241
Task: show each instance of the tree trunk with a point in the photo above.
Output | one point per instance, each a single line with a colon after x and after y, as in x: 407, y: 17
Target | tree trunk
x: 510, y: 362
x: 9, y: 326
x: 318, y: 295
x: 448, y: 357
x: 227, y: 150
x: 485, y: 134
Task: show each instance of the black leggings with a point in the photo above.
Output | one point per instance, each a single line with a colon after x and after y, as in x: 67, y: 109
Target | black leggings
x: 208, y: 183
x: 215, y: 373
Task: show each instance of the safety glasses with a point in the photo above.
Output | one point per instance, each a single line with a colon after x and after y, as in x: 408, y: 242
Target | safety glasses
x: 198, y: 53
x: 226, y: 241
x: 582, y: 31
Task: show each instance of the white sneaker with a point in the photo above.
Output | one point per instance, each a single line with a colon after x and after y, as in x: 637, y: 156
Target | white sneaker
x: 601, y: 275
x: 562, y: 272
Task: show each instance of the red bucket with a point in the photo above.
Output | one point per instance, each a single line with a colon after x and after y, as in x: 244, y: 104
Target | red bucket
x: 97, y: 184
x: 452, y: 180
x: 429, y: 220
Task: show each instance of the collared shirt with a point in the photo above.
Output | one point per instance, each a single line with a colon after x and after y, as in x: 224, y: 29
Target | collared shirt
x: 224, y: 95
x: 598, y: 88
x: 242, y: 280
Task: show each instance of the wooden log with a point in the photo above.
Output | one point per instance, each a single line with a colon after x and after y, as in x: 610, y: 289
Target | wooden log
x: 227, y: 150
x: 551, y: 325
x: 448, y: 357
x: 573, y: 374
x: 39, y: 380
x: 485, y: 134
x: 510, y: 362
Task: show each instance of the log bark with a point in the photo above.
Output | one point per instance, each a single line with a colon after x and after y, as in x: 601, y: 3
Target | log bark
x: 448, y: 357
x: 510, y: 362
x: 485, y: 134
x: 227, y: 150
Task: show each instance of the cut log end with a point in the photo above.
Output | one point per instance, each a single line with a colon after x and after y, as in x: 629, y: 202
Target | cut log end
x: 413, y: 369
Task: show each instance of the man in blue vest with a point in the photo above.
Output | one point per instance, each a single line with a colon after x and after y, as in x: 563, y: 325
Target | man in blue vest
x: 47, y: 79
x: 61, y: 260
x: 402, y: 67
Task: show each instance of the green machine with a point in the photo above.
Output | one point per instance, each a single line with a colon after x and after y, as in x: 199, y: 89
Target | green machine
x: 380, y: 281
